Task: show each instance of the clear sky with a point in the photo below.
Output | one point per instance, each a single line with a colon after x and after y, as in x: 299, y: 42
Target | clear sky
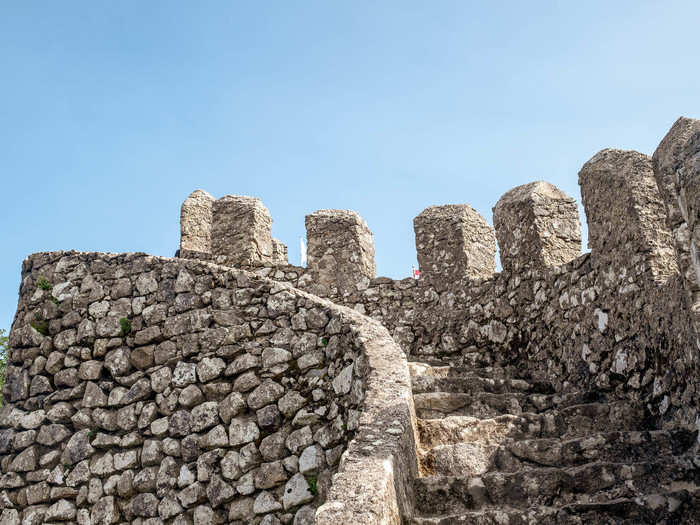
x: 111, y: 113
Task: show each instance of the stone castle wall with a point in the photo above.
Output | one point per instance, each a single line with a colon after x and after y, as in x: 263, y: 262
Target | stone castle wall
x: 175, y: 391
x: 620, y: 319
x: 229, y: 386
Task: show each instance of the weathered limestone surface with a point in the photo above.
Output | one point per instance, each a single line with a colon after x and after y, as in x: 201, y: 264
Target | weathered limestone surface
x: 147, y: 390
x: 202, y: 408
x: 588, y: 322
x: 625, y: 212
x: 279, y: 252
x: 195, y: 222
x: 340, y: 249
x: 537, y: 226
x: 241, y: 230
x: 454, y: 242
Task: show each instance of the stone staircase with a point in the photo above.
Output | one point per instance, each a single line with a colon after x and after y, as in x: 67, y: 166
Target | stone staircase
x: 498, y: 449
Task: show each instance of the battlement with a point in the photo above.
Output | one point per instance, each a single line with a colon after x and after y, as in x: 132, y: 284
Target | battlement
x: 536, y: 227
x: 236, y: 227
x: 226, y: 386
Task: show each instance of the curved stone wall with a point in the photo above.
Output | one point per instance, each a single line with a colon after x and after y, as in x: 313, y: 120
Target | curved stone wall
x: 153, y: 390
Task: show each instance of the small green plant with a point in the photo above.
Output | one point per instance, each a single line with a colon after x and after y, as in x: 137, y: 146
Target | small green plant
x: 92, y: 434
x: 40, y: 324
x: 313, y: 484
x: 126, y: 326
x: 43, y: 284
x: 55, y: 301
x: 324, y: 341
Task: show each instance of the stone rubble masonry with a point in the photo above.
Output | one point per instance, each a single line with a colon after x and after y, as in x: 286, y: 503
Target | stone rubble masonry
x: 625, y: 211
x: 235, y: 386
x: 195, y: 222
x: 340, y: 249
x: 203, y: 410
x: 677, y: 168
x: 453, y: 242
x: 537, y: 226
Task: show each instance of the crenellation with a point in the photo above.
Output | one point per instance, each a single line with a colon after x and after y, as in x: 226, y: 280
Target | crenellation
x: 340, y: 249
x: 537, y: 226
x: 453, y: 242
x: 626, y: 216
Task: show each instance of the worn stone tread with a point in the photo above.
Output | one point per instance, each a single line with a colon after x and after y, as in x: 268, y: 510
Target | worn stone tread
x: 569, y: 422
x: 671, y: 508
x: 431, y: 405
x: 596, y: 482
x: 474, y: 458
x: 476, y: 383
x: 417, y: 369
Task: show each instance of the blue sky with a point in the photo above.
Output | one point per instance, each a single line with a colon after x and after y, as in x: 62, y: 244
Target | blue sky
x: 113, y: 112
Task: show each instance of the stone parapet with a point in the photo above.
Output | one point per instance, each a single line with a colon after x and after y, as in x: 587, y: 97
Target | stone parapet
x: 453, y: 242
x: 537, y: 226
x: 340, y: 249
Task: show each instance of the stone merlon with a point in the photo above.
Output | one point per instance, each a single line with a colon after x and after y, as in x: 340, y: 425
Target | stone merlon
x: 340, y: 249
x: 537, y: 226
x: 625, y: 212
x: 454, y: 242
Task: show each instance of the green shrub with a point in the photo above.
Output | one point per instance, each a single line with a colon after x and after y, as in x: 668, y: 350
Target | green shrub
x: 41, y: 325
x: 313, y: 484
x: 126, y: 326
x: 43, y: 284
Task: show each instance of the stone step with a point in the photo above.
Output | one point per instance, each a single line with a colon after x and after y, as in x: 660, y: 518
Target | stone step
x: 475, y: 458
x: 469, y: 383
x: 568, y: 422
x: 669, y: 508
x: 418, y: 369
x: 433, y: 405
x: 597, y: 482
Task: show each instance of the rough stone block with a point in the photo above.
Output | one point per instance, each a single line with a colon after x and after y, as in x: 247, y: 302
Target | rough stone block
x: 537, y: 226
x: 453, y: 241
x: 625, y: 213
x: 196, y: 222
x: 241, y: 230
x: 340, y: 249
